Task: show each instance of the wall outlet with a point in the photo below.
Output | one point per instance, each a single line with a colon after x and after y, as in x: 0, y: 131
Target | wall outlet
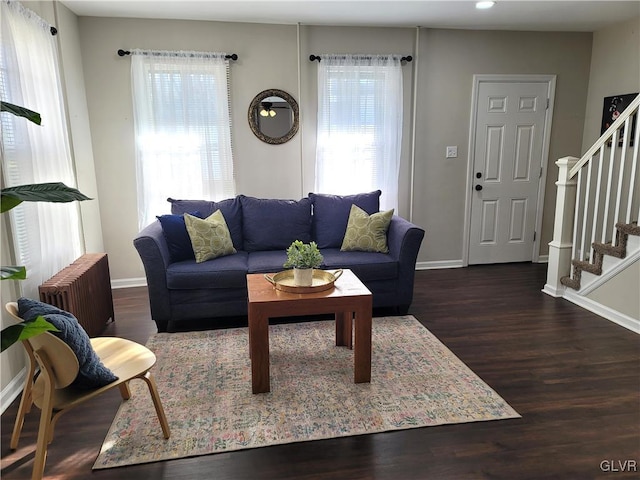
x: 452, y: 152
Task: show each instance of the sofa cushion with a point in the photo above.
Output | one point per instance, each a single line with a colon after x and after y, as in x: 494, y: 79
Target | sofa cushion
x: 223, y: 272
x: 368, y: 266
x: 270, y: 261
x: 210, y: 237
x: 230, y: 208
x: 270, y: 224
x: 331, y: 213
x: 175, y: 233
x: 367, y: 233
x: 92, y: 372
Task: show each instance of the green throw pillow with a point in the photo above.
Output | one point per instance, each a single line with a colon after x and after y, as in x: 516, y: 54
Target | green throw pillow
x: 210, y: 238
x: 366, y: 233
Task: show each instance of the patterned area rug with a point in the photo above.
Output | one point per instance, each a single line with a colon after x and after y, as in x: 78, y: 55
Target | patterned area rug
x: 204, y: 380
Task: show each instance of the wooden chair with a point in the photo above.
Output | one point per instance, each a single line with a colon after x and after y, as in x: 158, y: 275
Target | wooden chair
x: 59, y: 367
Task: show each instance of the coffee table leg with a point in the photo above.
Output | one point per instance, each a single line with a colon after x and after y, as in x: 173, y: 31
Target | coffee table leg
x: 344, y: 329
x: 259, y: 351
x: 362, y: 345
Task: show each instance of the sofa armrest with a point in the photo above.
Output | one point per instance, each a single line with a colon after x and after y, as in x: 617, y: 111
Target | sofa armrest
x: 154, y: 253
x: 404, y: 240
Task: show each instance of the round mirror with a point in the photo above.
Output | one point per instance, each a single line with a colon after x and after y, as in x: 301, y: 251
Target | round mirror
x: 273, y: 116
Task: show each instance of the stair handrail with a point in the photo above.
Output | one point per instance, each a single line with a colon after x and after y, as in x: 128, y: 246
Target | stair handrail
x: 570, y: 216
x: 630, y: 110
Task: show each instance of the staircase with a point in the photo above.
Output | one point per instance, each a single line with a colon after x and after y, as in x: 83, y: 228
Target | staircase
x: 617, y: 250
x: 596, y: 232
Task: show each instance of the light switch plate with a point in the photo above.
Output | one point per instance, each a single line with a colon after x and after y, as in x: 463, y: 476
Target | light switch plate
x: 452, y: 152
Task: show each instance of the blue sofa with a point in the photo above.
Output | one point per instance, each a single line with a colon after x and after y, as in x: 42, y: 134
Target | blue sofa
x: 261, y: 229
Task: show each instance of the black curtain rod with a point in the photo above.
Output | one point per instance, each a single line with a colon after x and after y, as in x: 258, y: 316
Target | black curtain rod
x: 122, y: 53
x: 312, y: 58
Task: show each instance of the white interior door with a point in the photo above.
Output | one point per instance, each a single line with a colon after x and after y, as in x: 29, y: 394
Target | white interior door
x: 509, y: 137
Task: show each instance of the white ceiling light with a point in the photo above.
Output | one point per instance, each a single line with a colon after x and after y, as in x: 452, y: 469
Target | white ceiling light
x: 484, y: 5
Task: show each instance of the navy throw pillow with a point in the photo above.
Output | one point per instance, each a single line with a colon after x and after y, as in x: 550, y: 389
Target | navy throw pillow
x: 92, y: 373
x: 177, y: 237
x: 271, y: 224
x: 331, y: 214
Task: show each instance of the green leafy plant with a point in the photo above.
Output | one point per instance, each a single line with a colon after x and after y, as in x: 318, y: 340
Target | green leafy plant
x: 303, y: 255
x: 11, y: 197
x: 21, y: 112
x: 39, y: 192
x: 24, y: 330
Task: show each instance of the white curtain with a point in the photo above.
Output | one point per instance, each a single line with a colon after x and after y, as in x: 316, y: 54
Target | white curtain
x: 182, y: 129
x: 46, y: 236
x: 359, y: 125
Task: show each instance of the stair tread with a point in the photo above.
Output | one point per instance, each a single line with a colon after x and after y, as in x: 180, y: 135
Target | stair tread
x: 602, y: 251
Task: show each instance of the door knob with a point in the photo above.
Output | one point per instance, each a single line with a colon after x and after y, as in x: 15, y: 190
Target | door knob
x: 478, y: 187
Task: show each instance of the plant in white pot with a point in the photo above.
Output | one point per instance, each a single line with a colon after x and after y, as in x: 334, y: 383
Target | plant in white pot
x: 303, y: 258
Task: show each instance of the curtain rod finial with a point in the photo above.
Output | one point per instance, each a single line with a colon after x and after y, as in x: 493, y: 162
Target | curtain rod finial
x: 122, y: 53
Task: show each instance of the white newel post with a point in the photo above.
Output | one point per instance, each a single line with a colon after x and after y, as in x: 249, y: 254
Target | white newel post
x: 561, y: 246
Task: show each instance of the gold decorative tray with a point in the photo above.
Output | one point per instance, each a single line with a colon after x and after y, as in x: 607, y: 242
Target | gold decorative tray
x: 322, y: 280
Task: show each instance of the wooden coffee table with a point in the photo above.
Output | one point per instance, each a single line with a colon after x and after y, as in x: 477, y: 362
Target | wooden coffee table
x: 349, y: 299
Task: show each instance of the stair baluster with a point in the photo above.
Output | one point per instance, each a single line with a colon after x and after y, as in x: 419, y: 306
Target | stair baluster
x: 590, y: 218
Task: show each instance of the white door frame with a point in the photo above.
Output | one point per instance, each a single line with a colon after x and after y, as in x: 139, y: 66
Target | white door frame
x: 550, y: 80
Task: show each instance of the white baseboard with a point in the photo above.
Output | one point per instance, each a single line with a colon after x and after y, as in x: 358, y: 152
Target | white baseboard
x: 610, y: 314
x: 12, y: 390
x: 142, y: 281
x: 129, y: 282
x: 439, y: 264
x: 606, y: 312
x: 554, y: 292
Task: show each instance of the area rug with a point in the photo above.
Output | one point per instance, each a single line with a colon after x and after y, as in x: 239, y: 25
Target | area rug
x: 204, y: 381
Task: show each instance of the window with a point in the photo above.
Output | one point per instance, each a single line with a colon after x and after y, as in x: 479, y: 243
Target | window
x: 183, y: 134
x: 359, y: 126
x: 46, y: 236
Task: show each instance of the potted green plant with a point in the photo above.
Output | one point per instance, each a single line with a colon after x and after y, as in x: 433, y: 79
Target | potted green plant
x: 12, y: 197
x: 303, y: 258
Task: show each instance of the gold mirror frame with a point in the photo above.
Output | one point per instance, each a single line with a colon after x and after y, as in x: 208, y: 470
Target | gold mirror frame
x: 253, y: 116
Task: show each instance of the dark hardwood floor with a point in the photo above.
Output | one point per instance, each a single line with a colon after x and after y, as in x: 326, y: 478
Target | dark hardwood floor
x: 572, y: 375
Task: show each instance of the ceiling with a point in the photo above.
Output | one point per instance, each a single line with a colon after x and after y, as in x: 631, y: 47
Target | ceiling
x: 540, y: 15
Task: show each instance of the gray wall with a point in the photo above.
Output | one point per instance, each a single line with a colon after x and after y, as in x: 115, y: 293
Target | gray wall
x: 615, y: 69
x: 267, y: 59
x: 447, y: 61
x: 620, y: 293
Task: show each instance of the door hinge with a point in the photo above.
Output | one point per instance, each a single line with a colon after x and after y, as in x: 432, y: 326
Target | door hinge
x: 547, y: 104
x: 534, y: 236
x: 540, y: 176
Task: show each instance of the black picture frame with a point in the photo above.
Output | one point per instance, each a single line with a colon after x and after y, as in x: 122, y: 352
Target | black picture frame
x: 612, y: 108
